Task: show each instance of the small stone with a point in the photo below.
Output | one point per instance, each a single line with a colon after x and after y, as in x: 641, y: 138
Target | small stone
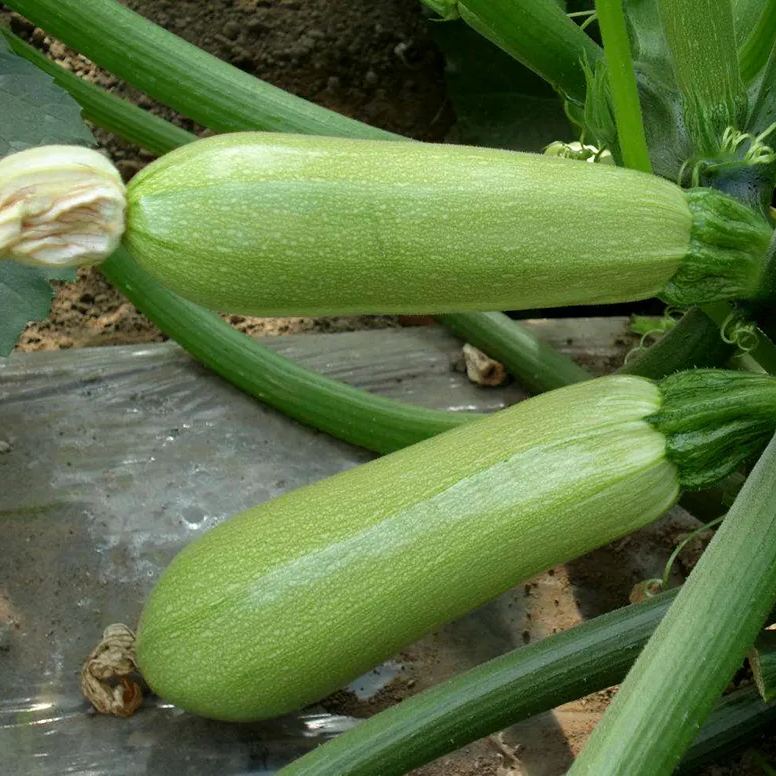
x: 5, y: 447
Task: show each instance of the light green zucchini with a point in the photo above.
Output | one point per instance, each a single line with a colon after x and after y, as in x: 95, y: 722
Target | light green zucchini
x: 284, y: 603
x: 269, y: 224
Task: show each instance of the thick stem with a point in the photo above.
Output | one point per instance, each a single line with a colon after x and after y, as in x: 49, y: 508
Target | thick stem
x: 745, y: 15
x: 181, y: 75
x: 701, y: 37
x: 535, y: 364
x: 694, y: 342
x: 112, y: 113
x: 622, y: 81
x: 762, y: 659
x: 698, y: 646
x: 540, y: 35
x: 345, y: 412
x: 514, y: 686
x: 737, y: 719
x: 491, y: 696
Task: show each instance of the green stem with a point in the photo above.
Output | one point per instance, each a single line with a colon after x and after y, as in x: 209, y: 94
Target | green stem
x: 763, y: 352
x: 491, y: 696
x: 535, y: 364
x: 540, y: 35
x: 737, y: 719
x: 698, y: 646
x: 514, y: 686
x: 111, y: 113
x: 701, y: 38
x: 694, y: 342
x: 181, y: 75
x: 757, y: 46
x: 762, y: 660
x: 622, y: 81
x: 347, y: 413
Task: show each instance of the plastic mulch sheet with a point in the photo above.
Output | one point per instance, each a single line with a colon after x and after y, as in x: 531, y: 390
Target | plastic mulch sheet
x: 111, y: 460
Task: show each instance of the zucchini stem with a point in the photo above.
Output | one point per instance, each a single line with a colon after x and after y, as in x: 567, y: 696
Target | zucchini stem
x: 536, y: 33
x: 622, y: 81
x: 698, y: 646
x: 345, y: 412
x: 216, y: 94
x: 534, y: 363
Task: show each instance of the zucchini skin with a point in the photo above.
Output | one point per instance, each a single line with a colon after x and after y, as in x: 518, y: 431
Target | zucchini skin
x: 289, y: 601
x: 268, y: 224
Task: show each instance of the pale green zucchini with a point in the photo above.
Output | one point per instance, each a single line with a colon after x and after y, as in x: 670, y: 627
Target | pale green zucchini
x: 280, y: 605
x: 270, y: 224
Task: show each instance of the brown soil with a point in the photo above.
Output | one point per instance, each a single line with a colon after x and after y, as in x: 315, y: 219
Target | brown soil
x: 372, y: 61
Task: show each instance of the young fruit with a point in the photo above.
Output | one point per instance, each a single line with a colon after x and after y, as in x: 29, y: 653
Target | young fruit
x: 284, y: 603
x: 267, y: 224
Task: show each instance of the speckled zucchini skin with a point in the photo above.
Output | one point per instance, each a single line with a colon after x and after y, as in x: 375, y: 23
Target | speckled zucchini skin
x: 268, y: 224
x: 282, y: 604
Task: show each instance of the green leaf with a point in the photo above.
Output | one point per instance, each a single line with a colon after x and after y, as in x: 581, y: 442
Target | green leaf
x: 34, y: 112
x: 498, y: 102
x: 25, y: 295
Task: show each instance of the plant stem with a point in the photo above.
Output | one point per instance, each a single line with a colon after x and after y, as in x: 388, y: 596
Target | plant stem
x: 694, y: 342
x: 490, y: 696
x: 762, y: 660
x: 737, y: 718
x: 757, y: 46
x: 514, y: 686
x: 698, y: 646
x: 701, y: 37
x: 181, y: 75
x: 540, y: 35
x: 622, y: 81
x: 348, y: 413
x: 535, y: 364
x: 763, y: 352
x: 111, y: 113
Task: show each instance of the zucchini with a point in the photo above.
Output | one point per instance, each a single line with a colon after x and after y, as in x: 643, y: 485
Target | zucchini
x: 267, y: 224
x: 284, y: 603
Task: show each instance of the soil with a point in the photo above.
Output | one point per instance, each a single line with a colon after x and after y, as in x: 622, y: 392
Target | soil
x: 372, y: 61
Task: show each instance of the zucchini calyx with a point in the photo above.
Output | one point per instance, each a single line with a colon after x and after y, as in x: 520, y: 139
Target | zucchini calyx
x: 714, y: 420
x: 60, y: 206
x: 726, y: 258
